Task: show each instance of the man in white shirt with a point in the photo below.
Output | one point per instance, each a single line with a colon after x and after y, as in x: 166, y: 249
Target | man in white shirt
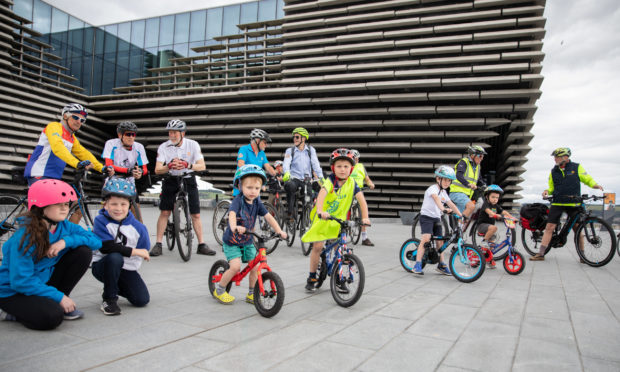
x: 179, y: 156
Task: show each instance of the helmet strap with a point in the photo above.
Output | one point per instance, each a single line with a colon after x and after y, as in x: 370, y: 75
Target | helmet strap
x: 51, y: 222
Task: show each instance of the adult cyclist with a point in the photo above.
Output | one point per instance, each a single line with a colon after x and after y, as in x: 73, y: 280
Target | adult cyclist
x: 254, y: 153
x: 125, y: 155
x: 564, y: 184
x: 179, y: 156
x: 467, y: 179
x: 299, y: 161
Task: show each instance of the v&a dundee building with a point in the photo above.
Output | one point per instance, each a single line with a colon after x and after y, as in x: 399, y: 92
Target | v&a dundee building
x: 410, y: 83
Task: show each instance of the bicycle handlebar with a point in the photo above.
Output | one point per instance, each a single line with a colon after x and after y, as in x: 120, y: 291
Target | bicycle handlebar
x: 579, y: 198
x: 346, y: 223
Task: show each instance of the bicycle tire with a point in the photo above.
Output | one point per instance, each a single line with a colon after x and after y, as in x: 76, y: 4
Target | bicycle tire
x: 514, y: 264
x: 356, y: 230
x: 531, y: 241
x: 137, y: 213
x: 290, y: 229
x: 350, y: 297
x: 183, y: 228
x: 220, y: 220
x: 321, y: 273
x: 169, y: 233
x: 416, y: 230
x: 596, y: 235
x: 407, y: 254
x: 266, y: 230
x: 91, y: 208
x: 304, y: 225
x: 497, y: 237
x: 10, y: 208
x: 469, y: 266
x: 265, y: 304
x: 218, y: 268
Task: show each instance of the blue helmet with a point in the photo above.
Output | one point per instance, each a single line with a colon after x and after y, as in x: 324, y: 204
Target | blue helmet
x: 445, y: 171
x: 248, y: 170
x: 119, y: 187
x: 493, y: 188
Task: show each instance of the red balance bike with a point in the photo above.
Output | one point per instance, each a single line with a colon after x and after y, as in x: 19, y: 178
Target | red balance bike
x: 269, y: 289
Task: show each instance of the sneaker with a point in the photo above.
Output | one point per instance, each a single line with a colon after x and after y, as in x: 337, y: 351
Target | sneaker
x: 443, y: 269
x: 156, y: 250
x: 311, y: 285
x: 491, y: 264
x: 341, y: 287
x: 368, y: 242
x: 110, y: 307
x: 537, y: 257
x: 6, y: 316
x: 417, y: 268
x: 224, y: 298
x: 249, y: 298
x: 73, y: 315
x: 203, y: 248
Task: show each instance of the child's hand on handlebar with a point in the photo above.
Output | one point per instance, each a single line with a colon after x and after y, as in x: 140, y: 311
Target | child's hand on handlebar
x: 283, y: 234
x: 366, y: 221
x: 136, y: 172
x: 107, y: 169
x: 447, y: 210
x: 240, y: 230
x: 324, y: 215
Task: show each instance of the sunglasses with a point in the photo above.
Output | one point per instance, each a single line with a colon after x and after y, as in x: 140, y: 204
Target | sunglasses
x: 296, y: 137
x: 129, y: 134
x: 74, y: 117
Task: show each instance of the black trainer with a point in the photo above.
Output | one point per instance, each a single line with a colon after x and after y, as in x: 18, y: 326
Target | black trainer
x: 311, y: 284
x: 341, y: 286
x: 110, y: 307
x: 203, y: 248
x: 156, y: 250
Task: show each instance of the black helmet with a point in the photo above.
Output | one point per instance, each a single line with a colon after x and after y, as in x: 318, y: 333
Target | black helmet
x: 126, y: 126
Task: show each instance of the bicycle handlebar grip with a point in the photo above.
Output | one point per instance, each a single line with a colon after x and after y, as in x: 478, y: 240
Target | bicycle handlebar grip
x: 83, y: 164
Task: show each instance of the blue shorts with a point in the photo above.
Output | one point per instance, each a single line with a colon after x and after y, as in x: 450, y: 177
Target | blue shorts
x: 246, y: 252
x: 460, y: 200
x: 430, y: 225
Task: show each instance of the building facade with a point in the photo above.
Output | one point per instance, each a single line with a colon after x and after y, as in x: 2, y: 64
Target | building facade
x: 408, y: 83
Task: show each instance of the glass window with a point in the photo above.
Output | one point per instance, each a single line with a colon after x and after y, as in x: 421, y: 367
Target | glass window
x: 193, y: 45
x: 249, y: 12
x: 151, y: 33
x: 150, y: 59
x: 135, y: 63
x: 110, y: 39
x: 76, y: 39
x: 181, y: 28
x: 122, y: 67
x: 280, y: 9
x: 60, y: 21
x: 89, y: 34
x: 137, y: 33
x: 231, y: 20
x: 75, y: 23
x: 23, y: 8
x: 124, y: 31
x: 87, y: 64
x: 42, y: 17
x: 214, y: 22
x: 166, y: 30
x: 197, y: 25
x: 180, y: 50
x: 108, y: 77
x: 266, y: 10
x: 99, y: 38
x: 97, y: 75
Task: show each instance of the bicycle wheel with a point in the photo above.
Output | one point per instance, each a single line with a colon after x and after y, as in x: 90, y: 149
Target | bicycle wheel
x: 220, y: 220
x: 356, y: 230
x: 91, y: 209
x: 467, y: 265
x: 599, y: 242
x: 321, y: 272
x: 289, y: 227
x: 476, y: 239
x: 218, y: 268
x: 10, y: 208
x: 408, y: 253
x: 416, y: 230
x: 531, y: 240
x: 264, y: 229
x: 348, y: 289
x: 169, y: 234
x: 135, y: 209
x: 303, y: 227
x: 270, y: 303
x: 183, y: 228
x: 514, y: 263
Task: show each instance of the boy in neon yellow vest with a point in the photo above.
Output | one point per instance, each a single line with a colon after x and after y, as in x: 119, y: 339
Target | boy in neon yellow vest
x: 334, y: 199
x: 360, y: 176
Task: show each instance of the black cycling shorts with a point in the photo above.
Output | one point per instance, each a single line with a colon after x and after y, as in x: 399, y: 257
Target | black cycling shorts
x: 555, y: 213
x: 170, y: 187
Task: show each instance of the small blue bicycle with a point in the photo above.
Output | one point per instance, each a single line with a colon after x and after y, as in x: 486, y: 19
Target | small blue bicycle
x: 345, y: 268
x: 466, y: 261
x: 514, y: 263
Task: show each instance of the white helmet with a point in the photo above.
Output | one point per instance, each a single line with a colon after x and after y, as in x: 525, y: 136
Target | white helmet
x: 74, y: 108
x: 176, y: 124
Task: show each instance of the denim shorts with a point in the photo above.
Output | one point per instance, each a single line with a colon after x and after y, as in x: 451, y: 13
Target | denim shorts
x: 246, y: 252
x: 460, y: 200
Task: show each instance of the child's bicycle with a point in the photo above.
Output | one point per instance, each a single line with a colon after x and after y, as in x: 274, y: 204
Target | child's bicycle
x: 465, y: 260
x: 514, y: 263
x: 345, y: 269
x: 269, y: 289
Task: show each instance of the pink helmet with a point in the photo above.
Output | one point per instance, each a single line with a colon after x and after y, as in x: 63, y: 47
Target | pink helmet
x: 49, y: 191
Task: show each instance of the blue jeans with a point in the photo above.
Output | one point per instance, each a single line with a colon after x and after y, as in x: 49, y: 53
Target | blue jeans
x: 120, y: 282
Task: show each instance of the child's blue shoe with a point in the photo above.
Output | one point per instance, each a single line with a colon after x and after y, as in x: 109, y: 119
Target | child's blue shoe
x: 417, y: 268
x: 442, y: 268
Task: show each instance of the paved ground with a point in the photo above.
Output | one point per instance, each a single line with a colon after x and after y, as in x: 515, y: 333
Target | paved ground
x: 557, y: 315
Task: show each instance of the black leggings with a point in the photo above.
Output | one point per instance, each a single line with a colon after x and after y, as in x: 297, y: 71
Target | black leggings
x: 43, y: 313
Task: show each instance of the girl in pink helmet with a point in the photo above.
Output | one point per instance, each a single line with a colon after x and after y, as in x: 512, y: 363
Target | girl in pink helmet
x: 44, y: 260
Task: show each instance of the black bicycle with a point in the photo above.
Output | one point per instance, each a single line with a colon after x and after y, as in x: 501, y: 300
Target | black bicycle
x: 301, y: 221
x: 355, y: 215
x: 595, y: 239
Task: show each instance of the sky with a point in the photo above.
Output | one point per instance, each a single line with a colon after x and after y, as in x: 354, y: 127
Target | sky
x: 581, y: 83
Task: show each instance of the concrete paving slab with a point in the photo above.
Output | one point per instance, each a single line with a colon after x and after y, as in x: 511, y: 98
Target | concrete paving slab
x: 547, y: 356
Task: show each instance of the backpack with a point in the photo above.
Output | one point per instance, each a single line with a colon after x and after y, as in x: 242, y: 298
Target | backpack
x: 534, y: 216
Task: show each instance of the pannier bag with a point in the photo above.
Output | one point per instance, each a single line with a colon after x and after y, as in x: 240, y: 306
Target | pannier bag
x: 534, y: 216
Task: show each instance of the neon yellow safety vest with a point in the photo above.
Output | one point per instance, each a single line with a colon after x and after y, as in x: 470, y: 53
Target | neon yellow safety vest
x: 471, y: 176
x: 359, y: 174
x: 336, y: 204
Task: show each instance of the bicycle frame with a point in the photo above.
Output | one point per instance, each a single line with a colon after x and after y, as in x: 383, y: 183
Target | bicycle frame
x: 456, y: 238
x: 339, y: 247
x: 4, y: 227
x: 560, y: 234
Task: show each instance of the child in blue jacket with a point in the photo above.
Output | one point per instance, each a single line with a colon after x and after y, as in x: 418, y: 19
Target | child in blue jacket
x: 44, y: 260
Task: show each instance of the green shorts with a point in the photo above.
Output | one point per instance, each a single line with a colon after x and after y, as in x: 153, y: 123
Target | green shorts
x: 246, y: 252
